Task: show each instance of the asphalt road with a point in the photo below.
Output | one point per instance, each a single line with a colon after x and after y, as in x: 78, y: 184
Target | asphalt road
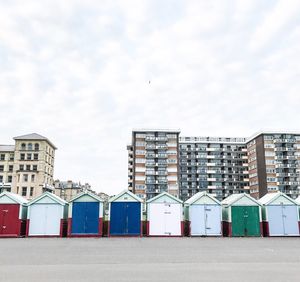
x: 150, y: 259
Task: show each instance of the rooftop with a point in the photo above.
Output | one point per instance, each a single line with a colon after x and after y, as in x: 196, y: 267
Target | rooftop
x: 34, y: 136
x: 7, y: 148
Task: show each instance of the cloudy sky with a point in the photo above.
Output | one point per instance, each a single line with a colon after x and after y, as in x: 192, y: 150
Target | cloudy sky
x: 78, y: 72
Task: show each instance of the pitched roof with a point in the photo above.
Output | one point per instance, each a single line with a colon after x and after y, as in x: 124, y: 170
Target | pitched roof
x: 112, y: 199
x: 270, y: 197
x: 15, y: 197
x: 235, y: 197
x: 50, y: 195
x: 164, y: 194
x: 199, y: 195
x: 7, y: 148
x: 86, y: 193
x: 34, y: 136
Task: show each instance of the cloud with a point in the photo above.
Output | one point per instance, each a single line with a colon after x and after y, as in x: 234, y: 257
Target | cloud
x: 78, y: 72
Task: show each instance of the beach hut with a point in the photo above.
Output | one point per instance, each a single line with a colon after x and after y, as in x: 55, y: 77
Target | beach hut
x: 204, y: 215
x: 85, y: 217
x: 125, y: 215
x: 46, y: 216
x: 164, y: 216
x: 13, y: 212
x: 280, y: 215
x: 241, y: 216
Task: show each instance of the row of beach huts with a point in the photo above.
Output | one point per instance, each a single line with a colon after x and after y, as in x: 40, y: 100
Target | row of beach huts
x: 239, y: 215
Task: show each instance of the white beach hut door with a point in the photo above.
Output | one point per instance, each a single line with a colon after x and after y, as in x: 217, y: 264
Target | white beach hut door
x: 212, y: 220
x: 275, y: 220
x: 172, y: 215
x: 290, y: 220
x: 45, y: 219
x: 156, y: 215
x: 197, y: 219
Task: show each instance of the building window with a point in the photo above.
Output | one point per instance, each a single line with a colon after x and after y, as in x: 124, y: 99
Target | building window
x: 1, y: 168
x: 31, y: 191
x: 23, y: 146
x: 11, y: 156
x: 10, y: 168
x: 2, y: 157
x: 29, y: 147
x: 25, y: 177
x: 22, y: 157
x: 24, y: 191
x: 32, y: 177
x: 36, y: 157
x: 9, y: 179
x: 27, y: 167
x: 21, y: 167
x: 28, y: 157
x: 36, y: 146
x: 34, y: 167
x: 1, y: 178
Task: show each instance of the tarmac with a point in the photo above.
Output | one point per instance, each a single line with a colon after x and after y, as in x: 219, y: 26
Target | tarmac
x: 150, y: 259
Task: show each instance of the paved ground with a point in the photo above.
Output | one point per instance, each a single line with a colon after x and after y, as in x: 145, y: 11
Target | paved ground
x: 150, y: 259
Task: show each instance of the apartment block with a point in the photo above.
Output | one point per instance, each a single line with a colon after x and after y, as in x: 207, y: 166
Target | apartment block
x: 153, y: 162
x: 214, y: 164
x: 27, y: 167
x: 274, y: 163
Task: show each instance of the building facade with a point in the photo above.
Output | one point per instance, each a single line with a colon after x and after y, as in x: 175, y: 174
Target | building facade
x: 27, y: 167
x: 213, y: 164
x: 69, y: 189
x: 266, y: 162
x: 153, y: 163
x: 274, y: 163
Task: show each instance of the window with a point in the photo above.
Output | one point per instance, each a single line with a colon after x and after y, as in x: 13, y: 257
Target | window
x: 32, y: 177
x: 27, y: 167
x: 24, y: 191
x: 29, y: 147
x: 28, y: 157
x: 36, y: 157
x: 11, y: 156
x: 9, y: 179
x: 34, y: 167
x: 1, y: 178
x: 36, y: 146
x: 21, y: 167
x: 25, y: 177
x: 23, y: 146
x: 10, y: 168
x: 1, y: 168
x: 31, y: 191
x: 2, y: 157
x: 22, y: 157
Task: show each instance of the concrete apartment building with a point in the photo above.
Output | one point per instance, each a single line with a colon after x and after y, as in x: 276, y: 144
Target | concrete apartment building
x: 274, y: 163
x: 265, y: 162
x: 214, y: 164
x: 26, y: 168
x: 153, y: 162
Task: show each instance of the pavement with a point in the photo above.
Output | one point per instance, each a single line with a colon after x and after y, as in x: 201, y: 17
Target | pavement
x: 150, y: 259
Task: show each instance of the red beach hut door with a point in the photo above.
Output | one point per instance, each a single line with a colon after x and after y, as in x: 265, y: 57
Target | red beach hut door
x: 9, y: 217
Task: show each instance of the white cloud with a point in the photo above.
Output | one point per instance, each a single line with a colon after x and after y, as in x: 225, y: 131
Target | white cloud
x: 78, y: 73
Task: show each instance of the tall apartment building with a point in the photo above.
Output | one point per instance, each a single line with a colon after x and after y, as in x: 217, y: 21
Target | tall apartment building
x: 214, y: 164
x: 153, y: 162
x: 266, y: 162
x: 26, y: 168
x: 274, y: 163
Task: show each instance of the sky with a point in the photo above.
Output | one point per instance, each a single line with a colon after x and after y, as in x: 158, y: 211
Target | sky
x: 78, y: 72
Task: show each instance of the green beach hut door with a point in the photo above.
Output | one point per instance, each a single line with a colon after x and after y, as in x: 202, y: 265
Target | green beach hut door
x: 245, y: 221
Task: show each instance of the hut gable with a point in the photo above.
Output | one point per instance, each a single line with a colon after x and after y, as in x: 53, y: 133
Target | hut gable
x: 125, y: 196
x: 278, y: 198
x: 47, y: 198
x: 86, y: 197
x: 202, y: 198
x: 165, y: 198
x: 10, y: 198
x: 240, y: 200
